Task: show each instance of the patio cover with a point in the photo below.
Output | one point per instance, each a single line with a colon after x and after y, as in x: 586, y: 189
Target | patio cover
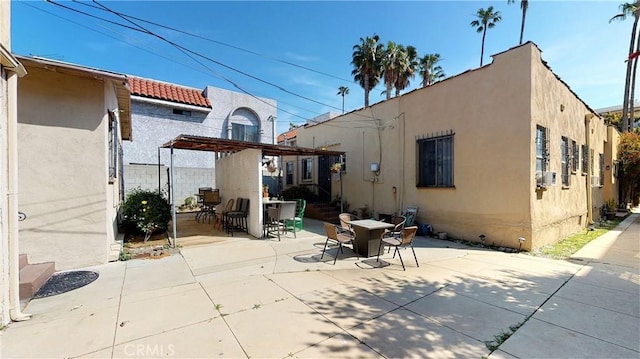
x: 221, y: 145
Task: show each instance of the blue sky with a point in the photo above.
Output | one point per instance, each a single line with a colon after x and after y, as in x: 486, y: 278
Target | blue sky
x: 576, y: 39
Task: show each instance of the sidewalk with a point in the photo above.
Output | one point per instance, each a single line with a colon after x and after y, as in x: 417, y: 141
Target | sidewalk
x: 253, y: 298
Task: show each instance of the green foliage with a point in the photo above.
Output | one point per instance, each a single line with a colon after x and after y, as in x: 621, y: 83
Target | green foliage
x: 296, y: 192
x: 124, y: 256
x: 148, y: 211
x: 629, y: 157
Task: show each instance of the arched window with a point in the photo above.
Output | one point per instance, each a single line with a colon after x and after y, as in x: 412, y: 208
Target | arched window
x: 244, y: 125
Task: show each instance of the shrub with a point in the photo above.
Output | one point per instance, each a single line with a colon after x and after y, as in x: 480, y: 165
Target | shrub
x: 302, y: 192
x: 148, y: 211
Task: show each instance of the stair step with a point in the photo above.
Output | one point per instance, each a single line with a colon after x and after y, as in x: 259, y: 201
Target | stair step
x: 34, y: 276
x: 24, y: 260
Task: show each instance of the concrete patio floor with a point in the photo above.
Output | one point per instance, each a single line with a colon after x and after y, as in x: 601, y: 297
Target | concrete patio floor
x: 245, y: 297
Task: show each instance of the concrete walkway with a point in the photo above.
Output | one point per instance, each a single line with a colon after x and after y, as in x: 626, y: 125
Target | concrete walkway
x: 243, y: 298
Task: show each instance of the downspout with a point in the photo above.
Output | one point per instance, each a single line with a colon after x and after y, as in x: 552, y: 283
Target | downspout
x: 587, y: 130
x: 15, y: 312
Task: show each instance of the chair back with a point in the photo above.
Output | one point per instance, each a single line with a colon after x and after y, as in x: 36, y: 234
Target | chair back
x: 399, y: 222
x: 211, y: 197
x: 331, y: 230
x: 239, y: 202
x: 408, y: 234
x: 245, y: 206
x: 201, y: 190
x: 301, y: 205
x: 344, y: 218
x: 229, y: 205
x: 287, y: 210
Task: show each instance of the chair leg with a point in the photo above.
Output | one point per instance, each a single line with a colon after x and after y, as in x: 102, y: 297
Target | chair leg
x: 400, y: 256
x: 379, y: 248
x: 353, y: 245
x: 337, y: 253
x: 414, y: 256
x: 325, y: 248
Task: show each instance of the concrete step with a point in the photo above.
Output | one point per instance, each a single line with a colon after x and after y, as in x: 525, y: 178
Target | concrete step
x: 24, y: 260
x: 34, y: 276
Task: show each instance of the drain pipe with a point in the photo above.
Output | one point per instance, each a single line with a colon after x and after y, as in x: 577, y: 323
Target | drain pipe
x: 15, y: 312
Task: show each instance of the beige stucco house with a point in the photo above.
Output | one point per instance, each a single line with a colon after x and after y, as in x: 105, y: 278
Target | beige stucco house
x: 71, y: 124
x: 507, y: 150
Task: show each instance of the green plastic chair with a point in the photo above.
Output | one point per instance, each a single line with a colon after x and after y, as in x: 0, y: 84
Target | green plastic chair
x: 295, y: 224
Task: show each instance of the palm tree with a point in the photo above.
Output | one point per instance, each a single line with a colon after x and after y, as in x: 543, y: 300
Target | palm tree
x: 343, y: 90
x: 408, y: 66
x: 366, y: 60
x: 486, y: 19
x: 628, y: 9
x: 391, y: 65
x: 429, y: 71
x: 524, y: 5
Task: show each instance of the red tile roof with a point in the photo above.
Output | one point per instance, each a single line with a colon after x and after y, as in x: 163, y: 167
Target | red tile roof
x: 167, y: 92
x: 289, y: 135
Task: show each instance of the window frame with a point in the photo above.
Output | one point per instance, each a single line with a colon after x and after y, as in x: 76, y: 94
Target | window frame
x: 242, y: 132
x: 542, y: 154
x: 438, y: 172
x: 306, y: 175
x: 575, y: 157
x: 113, y: 151
x: 289, y: 173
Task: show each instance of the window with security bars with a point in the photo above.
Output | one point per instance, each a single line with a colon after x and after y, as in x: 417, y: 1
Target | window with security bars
x: 575, y: 157
x: 435, y: 161
x: 565, y: 161
x: 542, y: 153
x: 113, y: 147
x: 585, y: 159
x: 601, y: 169
x: 307, y: 169
x: 289, y: 173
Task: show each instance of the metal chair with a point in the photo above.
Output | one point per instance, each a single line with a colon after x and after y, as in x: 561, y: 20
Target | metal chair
x: 405, y: 240
x: 340, y: 238
x: 210, y: 200
x: 237, y: 220
x: 345, y: 227
x: 278, y: 216
x: 295, y: 223
x: 200, y: 195
x: 221, y: 215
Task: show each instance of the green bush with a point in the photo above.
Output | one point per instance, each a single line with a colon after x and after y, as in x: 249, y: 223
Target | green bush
x: 302, y: 192
x: 147, y: 211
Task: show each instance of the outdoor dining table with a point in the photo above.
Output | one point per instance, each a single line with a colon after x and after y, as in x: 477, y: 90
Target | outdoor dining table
x: 368, y: 233
x: 269, y: 203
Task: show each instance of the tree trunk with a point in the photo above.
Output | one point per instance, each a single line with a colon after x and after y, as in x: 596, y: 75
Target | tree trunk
x: 389, y: 87
x: 366, y: 90
x: 524, y: 16
x: 343, y: 104
x: 632, y: 117
x: 627, y: 82
x: 484, y: 33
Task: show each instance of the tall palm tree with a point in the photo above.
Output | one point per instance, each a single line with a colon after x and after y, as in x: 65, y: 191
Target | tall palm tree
x: 486, y: 19
x: 366, y: 60
x: 391, y: 63
x: 408, y: 66
x: 430, y: 72
x: 628, y: 9
x: 343, y: 90
x: 524, y: 5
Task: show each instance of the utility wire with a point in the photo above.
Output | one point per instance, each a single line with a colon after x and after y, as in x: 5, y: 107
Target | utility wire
x: 191, y: 55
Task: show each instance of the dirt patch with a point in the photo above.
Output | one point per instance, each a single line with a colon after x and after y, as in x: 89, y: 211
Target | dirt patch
x: 158, y: 246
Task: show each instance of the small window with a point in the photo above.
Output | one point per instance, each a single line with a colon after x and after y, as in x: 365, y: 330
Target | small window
x: 307, y: 169
x: 435, y: 161
x: 177, y: 111
x: 585, y: 159
x: 542, y: 154
x: 244, y: 133
x: 289, y: 173
x: 601, y: 169
x: 565, y: 161
x: 113, y: 146
x: 575, y: 157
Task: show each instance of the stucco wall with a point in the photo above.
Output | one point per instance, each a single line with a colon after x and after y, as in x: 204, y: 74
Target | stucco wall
x: 62, y: 170
x: 493, y: 112
x: 240, y: 175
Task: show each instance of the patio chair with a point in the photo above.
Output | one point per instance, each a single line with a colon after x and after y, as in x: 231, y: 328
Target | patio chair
x: 200, y: 196
x: 210, y: 200
x: 405, y: 240
x: 399, y: 222
x: 278, y: 216
x: 237, y: 220
x: 221, y: 215
x: 295, y: 223
x: 340, y: 238
x: 344, y: 226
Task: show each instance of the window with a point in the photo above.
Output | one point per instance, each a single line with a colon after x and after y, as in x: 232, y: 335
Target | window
x: 181, y: 112
x: 565, y: 161
x: 591, y: 161
x: 435, y: 161
x: 585, y: 159
x: 575, y: 158
x: 113, y: 146
x: 542, y: 153
x: 289, y: 173
x: 601, y: 169
x: 244, y: 132
x: 307, y: 169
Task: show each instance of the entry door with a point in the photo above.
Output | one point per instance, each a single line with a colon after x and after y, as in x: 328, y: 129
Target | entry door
x: 324, y: 178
